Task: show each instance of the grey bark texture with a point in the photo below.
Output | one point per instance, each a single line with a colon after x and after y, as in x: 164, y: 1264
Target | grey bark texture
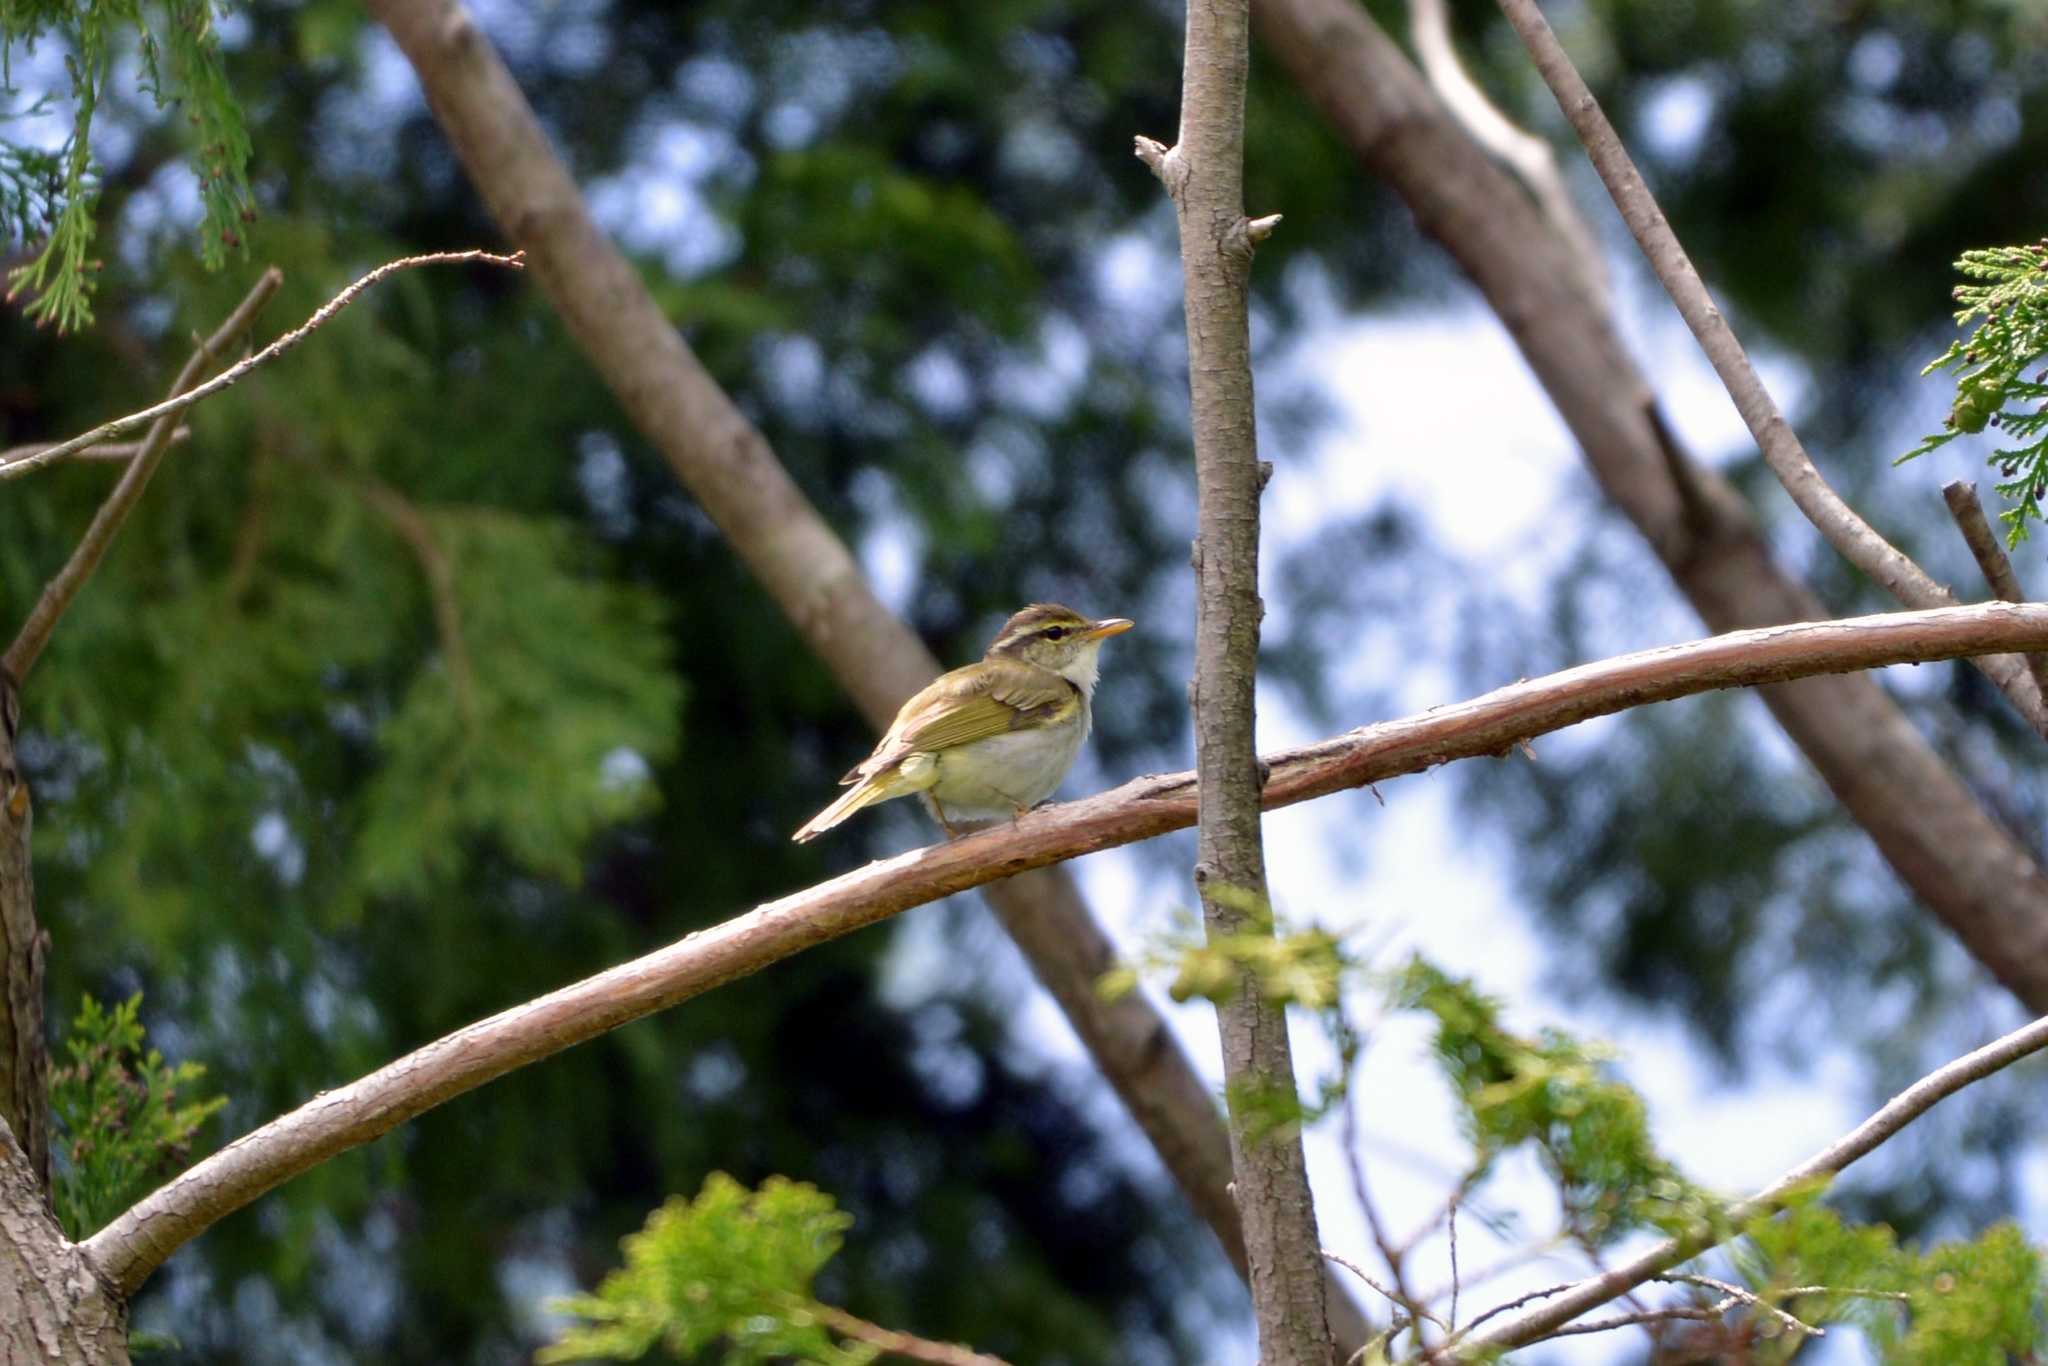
x: 54, y: 1308
x: 1204, y: 173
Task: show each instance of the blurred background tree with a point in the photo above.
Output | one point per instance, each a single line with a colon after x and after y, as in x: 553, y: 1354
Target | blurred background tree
x: 317, y: 827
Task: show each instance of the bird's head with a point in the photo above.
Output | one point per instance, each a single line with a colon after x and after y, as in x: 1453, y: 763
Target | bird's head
x: 1057, y: 638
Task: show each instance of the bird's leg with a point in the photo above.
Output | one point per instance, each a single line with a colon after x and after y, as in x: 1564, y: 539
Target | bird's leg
x: 944, y: 824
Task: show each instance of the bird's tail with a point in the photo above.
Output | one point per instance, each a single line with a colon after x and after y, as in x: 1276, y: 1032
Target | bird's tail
x: 876, y: 788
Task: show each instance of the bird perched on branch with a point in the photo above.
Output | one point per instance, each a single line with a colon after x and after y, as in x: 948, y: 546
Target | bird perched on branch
x: 992, y: 739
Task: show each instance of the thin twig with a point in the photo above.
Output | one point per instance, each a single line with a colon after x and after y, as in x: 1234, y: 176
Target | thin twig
x: 1843, y: 527
x: 1895, y: 1115
x: 1453, y: 1222
x: 516, y: 261
x: 1389, y: 1253
x: 899, y: 1344
x: 1511, y: 1305
x: 1521, y: 1257
x: 1645, y: 1317
x: 85, y: 557
x: 1736, y: 1294
x: 1414, y: 1310
x: 1961, y: 497
x: 111, y: 450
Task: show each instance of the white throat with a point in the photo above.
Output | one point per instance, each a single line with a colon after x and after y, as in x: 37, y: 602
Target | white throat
x: 1084, y: 668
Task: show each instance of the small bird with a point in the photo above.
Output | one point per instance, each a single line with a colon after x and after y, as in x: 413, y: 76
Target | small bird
x: 992, y: 739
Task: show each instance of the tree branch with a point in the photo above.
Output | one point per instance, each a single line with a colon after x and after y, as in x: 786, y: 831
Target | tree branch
x: 171, y: 407
x: 904, y: 1345
x: 1946, y: 848
x: 1204, y: 175
x: 52, y: 1307
x: 24, y: 1059
x: 1528, y: 156
x: 728, y: 467
x: 1992, y: 561
x: 127, y: 491
x: 1916, y: 1100
x: 110, y: 450
x: 1844, y: 528
x: 136, y: 1242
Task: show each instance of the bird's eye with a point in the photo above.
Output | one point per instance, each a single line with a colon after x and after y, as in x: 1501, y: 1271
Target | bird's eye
x: 1055, y: 632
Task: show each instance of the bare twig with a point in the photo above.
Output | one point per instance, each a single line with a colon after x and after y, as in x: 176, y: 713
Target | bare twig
x: 1415, y: 1311
x: 1204, y: 175
x: 1390, y: 1253
x: 1734, y: 1294
x: 1843, y: 527
x: 1493, y: 1271
x: 899, y: 1344
x: 1961, y: 497
x: 172, y: 406
x: 1566, y: 1305
x: 111, y: 450
x: 1644, y: 1318
x: 85, y: 557
x: 136, y: 1242
x: 1453, y: 1225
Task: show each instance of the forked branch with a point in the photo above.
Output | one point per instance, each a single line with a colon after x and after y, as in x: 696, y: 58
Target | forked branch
x: 1856, y: 540
x: 178, y: 403
x: 145, y: 456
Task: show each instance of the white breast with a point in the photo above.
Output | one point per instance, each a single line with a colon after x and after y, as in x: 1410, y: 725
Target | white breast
x: 997, y: 777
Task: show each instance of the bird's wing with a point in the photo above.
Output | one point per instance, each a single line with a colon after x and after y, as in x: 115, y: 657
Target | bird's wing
x: 991, y: 698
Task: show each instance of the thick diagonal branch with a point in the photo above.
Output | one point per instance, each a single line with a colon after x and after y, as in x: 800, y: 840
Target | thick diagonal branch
x: 1924, y: 821
x: 1842, y: 526
x: 138, y: 1241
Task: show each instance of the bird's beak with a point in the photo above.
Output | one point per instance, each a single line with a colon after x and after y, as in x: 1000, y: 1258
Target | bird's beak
x: 1108, y: 626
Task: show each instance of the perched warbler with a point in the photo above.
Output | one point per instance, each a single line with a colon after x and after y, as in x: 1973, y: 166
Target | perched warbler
x: 992, y: 739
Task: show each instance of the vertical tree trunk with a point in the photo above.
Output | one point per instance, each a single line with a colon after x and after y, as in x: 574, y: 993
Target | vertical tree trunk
x: 1204, y: 173
x: 53, y: 1307
x: 24, y: 1060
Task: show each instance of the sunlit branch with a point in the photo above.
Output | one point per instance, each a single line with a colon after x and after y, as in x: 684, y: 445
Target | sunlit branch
x: 137, y: 1241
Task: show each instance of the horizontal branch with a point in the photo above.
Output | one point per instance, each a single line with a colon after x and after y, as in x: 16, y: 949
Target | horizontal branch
x: 1547, y: 1319
x: 138, y: 1241
x: 179, y: 403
